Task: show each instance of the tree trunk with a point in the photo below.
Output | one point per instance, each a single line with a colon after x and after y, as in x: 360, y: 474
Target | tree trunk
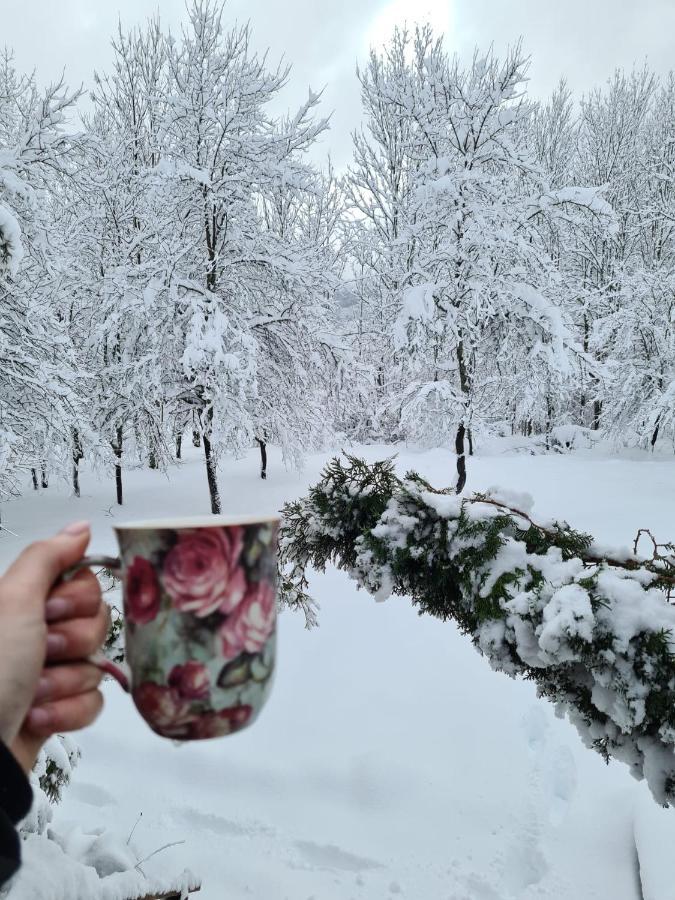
x: 179, y: 445
x: 263, y: 457
x: 597, y: 409
x: 583, y: 399
x: 152, y: 460
x: 461, y: 430
x: 196, y: 439
x: 469, y: 438
x: 117, y: 449
x: 77, y: 456
x: 33, y: 473
x: 43, y: 477
x: 461, y: 459
x: 211, y: 476
x: 655, y: 435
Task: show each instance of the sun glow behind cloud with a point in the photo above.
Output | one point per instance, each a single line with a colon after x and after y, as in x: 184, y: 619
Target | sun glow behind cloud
x: 437, y: 13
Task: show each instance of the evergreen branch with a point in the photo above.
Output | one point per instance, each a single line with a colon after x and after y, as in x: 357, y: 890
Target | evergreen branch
x: 655, y: 564
x: 595, y: 632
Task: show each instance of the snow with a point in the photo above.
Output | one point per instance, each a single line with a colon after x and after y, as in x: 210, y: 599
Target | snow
x: 390, y: 760
x: 11, y: 248
x: 418, y: 304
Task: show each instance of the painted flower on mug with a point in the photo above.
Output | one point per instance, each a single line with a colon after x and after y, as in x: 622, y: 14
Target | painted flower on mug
x: 191, y: 680
x: 202, y: 572
x: 250, y: 625
x: 217, y: 724
x: 142, y: 591
x: 163, y: 708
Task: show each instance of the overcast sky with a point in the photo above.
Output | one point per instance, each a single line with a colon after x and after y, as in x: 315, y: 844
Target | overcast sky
x: 581, y: 39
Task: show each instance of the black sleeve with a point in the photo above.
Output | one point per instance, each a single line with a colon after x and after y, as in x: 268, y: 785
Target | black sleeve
x: 15, y: 800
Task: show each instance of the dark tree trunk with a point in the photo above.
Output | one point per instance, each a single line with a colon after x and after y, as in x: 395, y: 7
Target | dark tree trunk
x: 597, y: 410
x: 461, y: 459
x: 179, y: 445
x: 33, y: 473
x: 211, y: 476
x: 583, y: 400
x: 469, y: 438
x: 43, y: 477
x: 117, y: 449
x: 78, y: 454
x: 152, y: 460
x: 263, y: 457
x: 464, y: 383
x: 655, y: 435
x: 196, y: 439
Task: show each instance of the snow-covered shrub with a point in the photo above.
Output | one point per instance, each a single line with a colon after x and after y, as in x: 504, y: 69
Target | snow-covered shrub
x: 51, y: 773
x: 592, y: 627
x: 570, y: 437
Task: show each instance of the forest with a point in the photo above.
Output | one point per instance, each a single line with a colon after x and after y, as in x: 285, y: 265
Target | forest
x: 175, y: 266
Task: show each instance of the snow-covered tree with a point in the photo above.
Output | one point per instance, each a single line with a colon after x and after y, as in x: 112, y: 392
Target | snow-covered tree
x: 39, y: 378
x: 611, y: 144
x: 380, y: 187
x: 245, y: 281
x: 479, y: 328
x: 118, y: 261
x: 634, y: 329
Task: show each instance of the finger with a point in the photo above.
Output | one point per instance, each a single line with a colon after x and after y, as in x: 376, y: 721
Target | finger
x: 66, y: 680
x: 75, y: 599
x: 29, y: 579
x: 78, y: 638
x: 26, y: 747
x: 67, y: 714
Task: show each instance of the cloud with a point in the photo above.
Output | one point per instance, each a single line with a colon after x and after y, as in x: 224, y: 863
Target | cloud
x: 581, y: 39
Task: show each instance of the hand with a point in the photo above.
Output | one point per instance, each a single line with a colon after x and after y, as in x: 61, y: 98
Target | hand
x: 46, y: 633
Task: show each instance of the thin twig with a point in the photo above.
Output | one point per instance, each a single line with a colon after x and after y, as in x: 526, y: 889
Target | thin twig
x: 589, y: 558
x: 158, y: 850
x: 140, y: 815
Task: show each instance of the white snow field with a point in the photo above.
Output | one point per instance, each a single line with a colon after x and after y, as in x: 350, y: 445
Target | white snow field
x: 390, y: 761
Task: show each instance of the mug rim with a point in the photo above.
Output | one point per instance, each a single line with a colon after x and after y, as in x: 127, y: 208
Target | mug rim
x: 184, y: 522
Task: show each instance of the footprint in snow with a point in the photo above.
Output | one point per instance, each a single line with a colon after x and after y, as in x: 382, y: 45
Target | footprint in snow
x: 562, y: 783
x: 91, y: 794
x: 330, y: 858
x: 220, y: 825
x: 553, y: 779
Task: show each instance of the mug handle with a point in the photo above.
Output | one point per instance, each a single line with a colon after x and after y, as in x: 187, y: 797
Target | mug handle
x: 119, y: 671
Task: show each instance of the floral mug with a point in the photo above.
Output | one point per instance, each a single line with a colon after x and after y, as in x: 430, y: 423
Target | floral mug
x: 200, y: 621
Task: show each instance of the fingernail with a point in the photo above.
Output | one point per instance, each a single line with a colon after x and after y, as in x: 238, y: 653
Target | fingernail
x: 39, y: 717
x: 43, y: 689
x: 75, y: 528
x: 55, y: 643
x: 57, y: 608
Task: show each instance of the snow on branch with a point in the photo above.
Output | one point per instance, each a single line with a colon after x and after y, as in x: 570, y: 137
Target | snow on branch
x: 11, y: 248
x: 592, y: 627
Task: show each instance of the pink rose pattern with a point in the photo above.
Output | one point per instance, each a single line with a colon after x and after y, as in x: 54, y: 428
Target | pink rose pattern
x: 162, y: 707
x: 171, y: 716
x: 212, y: 590
x: 142, y: 591
x: 251, y: 623
x: 191, y: 680
x: 202, y: 573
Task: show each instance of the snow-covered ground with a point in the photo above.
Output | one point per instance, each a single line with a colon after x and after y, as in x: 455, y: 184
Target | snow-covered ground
x: 390, y: 761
